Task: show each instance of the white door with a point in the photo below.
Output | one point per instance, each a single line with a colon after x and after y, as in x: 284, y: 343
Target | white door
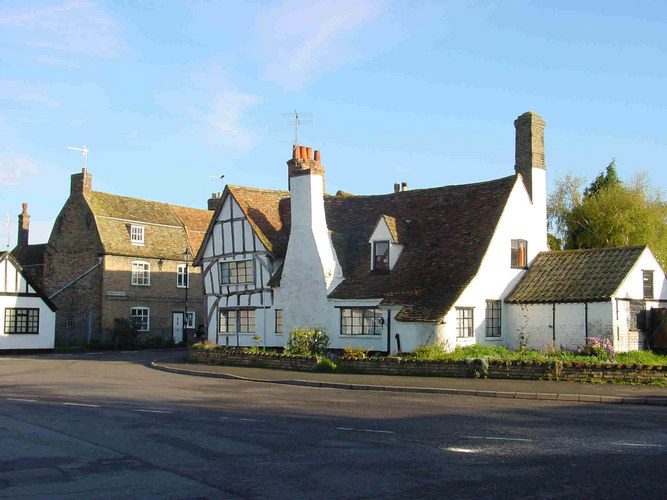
x: 177, y: 327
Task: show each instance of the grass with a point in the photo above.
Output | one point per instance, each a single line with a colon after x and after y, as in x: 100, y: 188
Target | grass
x: 438, y: 352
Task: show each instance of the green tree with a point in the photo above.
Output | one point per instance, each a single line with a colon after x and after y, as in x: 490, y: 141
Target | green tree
x: 609, y: 213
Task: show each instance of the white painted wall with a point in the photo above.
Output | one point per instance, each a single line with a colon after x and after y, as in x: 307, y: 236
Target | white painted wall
x: 11, y: 284
x: 311, y: 268
x: 495, y: 277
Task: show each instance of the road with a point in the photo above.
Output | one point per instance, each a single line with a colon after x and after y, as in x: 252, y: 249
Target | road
x: 106, y: 425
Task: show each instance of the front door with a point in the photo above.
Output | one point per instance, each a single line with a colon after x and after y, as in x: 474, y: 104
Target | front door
x: 177, y: 327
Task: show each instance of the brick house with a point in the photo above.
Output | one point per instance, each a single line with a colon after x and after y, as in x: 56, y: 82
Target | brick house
x: 384, y: 272
x: 112, y: 257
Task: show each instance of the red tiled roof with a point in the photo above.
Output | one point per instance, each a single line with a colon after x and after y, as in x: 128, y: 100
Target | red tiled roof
x: 575, y: 275
x: 445, y: 230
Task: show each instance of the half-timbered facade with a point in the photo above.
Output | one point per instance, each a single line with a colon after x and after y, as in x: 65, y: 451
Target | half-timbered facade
x: 27, y: 316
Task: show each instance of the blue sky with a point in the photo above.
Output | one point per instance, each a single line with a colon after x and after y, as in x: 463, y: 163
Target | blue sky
x: 166, y: 94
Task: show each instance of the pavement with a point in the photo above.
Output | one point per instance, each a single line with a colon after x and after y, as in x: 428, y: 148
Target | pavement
x: 493, y: 388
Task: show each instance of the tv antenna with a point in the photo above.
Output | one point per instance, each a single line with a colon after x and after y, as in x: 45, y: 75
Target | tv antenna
x: 85, y: 154
x: 299, y: 119
x: 6, y: 224
x: 221, y: 177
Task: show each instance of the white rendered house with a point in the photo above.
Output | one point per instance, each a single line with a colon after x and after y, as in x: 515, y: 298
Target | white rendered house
x: 385, y: 272
x: 28, y: 316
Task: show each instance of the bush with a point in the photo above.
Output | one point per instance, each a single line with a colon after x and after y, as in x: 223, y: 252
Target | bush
x: 352, y: 352
x: 325, y: 365
x: 307, y: 342
x: 124, y: 334
x: 437, y: 350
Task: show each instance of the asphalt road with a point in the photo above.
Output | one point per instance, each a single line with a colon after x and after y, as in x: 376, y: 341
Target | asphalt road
x: 108, y: 426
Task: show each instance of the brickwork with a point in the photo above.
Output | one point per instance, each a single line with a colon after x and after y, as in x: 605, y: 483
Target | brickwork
x: 472, y: 368
x: 529, y: 146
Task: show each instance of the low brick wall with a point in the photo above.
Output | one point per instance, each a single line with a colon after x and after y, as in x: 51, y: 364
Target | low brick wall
x: 470, y: 368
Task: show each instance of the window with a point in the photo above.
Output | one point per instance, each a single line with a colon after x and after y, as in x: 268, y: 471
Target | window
x: 647, y: 277
x: 638, y: 319
x: 140, y: 318
x: 190, y: 323
x: 137, y: 234
x: 519, y: 253
x: 182, y: 276
x: 236, y: 320
x: 141, y: 273
x: 21, y: 320
x: 381, y: 256
x: 360, y: 321
x: 492, y: 318
x: 236, y: 272
x: 279, y: 321
x: 464, y: 322
x: 227, y: 321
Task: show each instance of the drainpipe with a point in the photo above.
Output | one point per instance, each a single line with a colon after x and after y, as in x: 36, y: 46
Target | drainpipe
x: 388, y: 332
x: 586, y: 321
x: 553, y: 322
x: 398, y: 343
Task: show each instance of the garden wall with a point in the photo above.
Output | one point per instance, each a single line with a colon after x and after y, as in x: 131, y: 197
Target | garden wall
x: 470, y: 368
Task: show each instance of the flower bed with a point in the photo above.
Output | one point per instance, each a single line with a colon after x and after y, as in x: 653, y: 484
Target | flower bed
x: 468, y: 368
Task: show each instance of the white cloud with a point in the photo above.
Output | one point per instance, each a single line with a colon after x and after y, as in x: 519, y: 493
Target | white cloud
x: 76, y: 26
x: 304, y: 39
x: 21, y: 91
x: 16, y: 171
x: 222, y: 116
x: 56, y: 61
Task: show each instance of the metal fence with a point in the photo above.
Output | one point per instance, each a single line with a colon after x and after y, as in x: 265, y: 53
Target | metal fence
x: 79, y: 331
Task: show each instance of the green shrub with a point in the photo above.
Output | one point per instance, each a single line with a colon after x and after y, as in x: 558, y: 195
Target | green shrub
x: 326, y: 365
x: 307, y: 342
x: 352, y: 352
x: 427, y: 352
x: 641, y: 358
x: 596, y: 352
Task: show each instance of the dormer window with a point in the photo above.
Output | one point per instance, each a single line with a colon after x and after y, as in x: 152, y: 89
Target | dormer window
x: 137, y: 234
x: 519, y: 254
x: 381, y: 256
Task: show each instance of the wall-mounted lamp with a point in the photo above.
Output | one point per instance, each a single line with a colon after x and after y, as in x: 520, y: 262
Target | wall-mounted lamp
x: 159, y: 264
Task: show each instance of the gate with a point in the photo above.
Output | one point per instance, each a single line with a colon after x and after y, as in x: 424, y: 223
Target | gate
x: 78, y: 331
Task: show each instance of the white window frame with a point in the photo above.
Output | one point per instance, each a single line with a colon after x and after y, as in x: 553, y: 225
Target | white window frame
x: 230, y: 275
x: 141, y: 276
x: 465, y: 325
x: 648, y: 289
x: 182, y: 276
x: 190, y: 323
x: 244, y: 321
x: 144, y: 318
x: 137, y: 234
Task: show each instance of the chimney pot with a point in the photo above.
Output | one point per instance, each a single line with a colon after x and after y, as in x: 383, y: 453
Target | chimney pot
x: 295, y: 152
x: 397, y: 187
x: 404, y: 186
x: 304, y: 152
x: 317, y: 155
x: 309, y: 153
x: 25, y: 208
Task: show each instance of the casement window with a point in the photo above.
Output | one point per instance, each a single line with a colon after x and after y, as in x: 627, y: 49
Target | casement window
x: 183, y: 276
x: 638, y: 319
x: 19, y: 320
x: 190, y: 323
x: 492, y: 318
x: 519, y: 253
x: 236, y: 320
x: 381, y: 256
x: 137, y: 234
x: 279, y: 321
x: 236, y: 272
x: 141, y: 273
x: 464, y: 322
x: 140, y: 318
x: 360, y: 321
x: 647, y: 277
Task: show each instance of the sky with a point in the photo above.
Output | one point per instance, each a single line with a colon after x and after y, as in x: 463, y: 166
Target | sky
x: 167, y: 96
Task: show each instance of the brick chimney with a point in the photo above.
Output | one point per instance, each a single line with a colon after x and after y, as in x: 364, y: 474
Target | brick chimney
x: 24, y: 227
x: 529, y: 149
x: 311, y: 269
x: 214, y: 200
x: 81, y: 184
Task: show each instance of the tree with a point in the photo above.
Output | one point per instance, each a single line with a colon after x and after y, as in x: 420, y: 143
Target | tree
x: 609, y: 213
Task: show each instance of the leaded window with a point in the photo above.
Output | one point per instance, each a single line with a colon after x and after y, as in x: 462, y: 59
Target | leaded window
x: 464, y: 322
x: 19, y: 320
x: 492, y: 318
x: 236, y: 272
x: 360, y: 321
